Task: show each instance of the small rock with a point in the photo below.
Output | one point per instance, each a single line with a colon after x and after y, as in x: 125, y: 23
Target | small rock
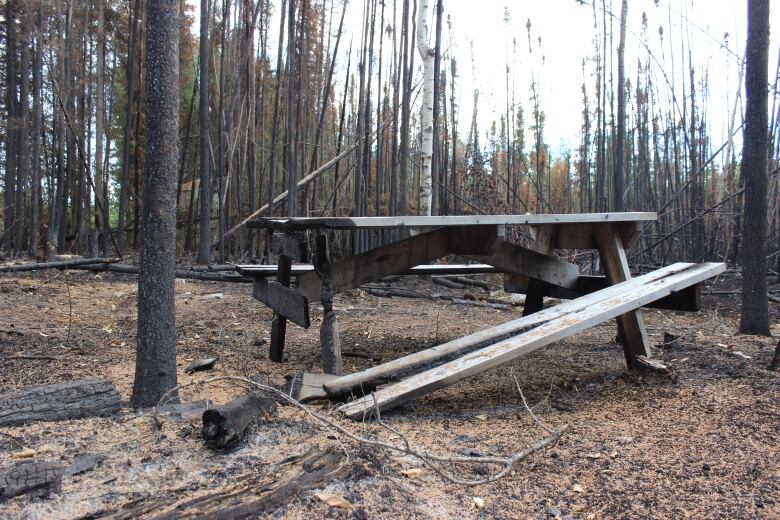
x: 200, y: 364
x: 554, y: 511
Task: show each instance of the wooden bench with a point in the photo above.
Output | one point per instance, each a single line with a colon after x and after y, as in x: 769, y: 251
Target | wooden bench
x: 492, y: 347
x: 536, y: 270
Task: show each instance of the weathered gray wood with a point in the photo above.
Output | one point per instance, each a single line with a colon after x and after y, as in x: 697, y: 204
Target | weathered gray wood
x: 372, y: 265
x: 687, y: 299
x: 279, y: 321
x: 224, y: 426
x: 302, y: 223
x: 544, y: 244
x: 537, y: 265
x: 38, y: 478
x: 391, y: 369
x: 512, y: 348
x: 307, y: 386
x: 329, y: 331
x: 285, y: 301
x: 630, y: 325
x: 424, y: 269
x: 400, y: 257
x: 70, y: 400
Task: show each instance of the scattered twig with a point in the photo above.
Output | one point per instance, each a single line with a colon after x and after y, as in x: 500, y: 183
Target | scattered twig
x: 428, y: 459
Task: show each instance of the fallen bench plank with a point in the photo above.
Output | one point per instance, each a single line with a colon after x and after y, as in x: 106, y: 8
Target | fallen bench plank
x: 371, y: 376
x: 687, y: 299
x: 507, y: 350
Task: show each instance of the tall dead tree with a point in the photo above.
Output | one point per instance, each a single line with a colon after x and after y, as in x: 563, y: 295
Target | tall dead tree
x: 35, y: 170
x: 10, y: 134
x: 204, y: 244
x: 619, y: 175
x: 755, y: 304
x: 130, y: 94
x: 155, y: 367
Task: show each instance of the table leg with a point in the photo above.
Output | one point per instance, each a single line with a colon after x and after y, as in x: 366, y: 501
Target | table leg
x: 630, y: 325
x: 329, y: 330
x: 279, y: 323
x: 535, y: 289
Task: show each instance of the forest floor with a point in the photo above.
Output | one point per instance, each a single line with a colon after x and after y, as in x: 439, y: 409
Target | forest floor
x: 702, y: 442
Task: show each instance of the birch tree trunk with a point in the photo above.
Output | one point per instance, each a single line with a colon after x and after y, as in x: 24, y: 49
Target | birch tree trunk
x: 427, y: 54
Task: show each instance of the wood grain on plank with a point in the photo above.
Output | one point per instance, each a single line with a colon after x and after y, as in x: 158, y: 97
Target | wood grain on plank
x: 512, y: 348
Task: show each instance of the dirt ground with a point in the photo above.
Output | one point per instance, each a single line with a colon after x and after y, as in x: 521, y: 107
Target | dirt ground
x: 703, y: 442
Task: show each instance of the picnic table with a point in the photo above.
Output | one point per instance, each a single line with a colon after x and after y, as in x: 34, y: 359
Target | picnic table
x: 534, y: 270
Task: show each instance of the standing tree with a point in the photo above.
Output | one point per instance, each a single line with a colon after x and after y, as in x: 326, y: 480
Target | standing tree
x: 753, y: 169
x: 204, y: 246
x: 155, y: 366
x: 428, y: 55
x: 619, y: 178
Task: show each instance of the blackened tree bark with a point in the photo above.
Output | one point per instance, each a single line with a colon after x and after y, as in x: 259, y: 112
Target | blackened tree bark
x: 10, y: 145
x: 204, y: 249
x: 618, y: 186
x: 155, y: 368
x: 292, y: 177
x: 35, y: 181
x: 23, y: 164
x: 124, y: 179
x: 755, y: 305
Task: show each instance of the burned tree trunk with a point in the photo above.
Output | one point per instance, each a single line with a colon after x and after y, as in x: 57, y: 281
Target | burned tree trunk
x: 225, y: 426
x: 36, y: 477
x: 155, y: 368
x: 755, y: 305
x: 71, y: 400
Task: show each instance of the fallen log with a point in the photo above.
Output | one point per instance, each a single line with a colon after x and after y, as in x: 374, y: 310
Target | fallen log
x: 38, y: 478
x: 224, y: 426
x: 71, y: 400
x: 180, y: 273
x: 390, y: 293
x: 62, y: 264
x: 446, y: 282
x: 471, y: 281
x: 248, y: 499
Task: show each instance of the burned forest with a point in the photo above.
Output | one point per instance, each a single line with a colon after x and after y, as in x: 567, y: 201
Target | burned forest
x: 389, y: 259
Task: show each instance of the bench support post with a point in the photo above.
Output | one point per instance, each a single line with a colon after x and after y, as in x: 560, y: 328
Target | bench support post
x: 279, y: 323
x: 329, y: 330
x: 534, y: 296
x: 631, y: 328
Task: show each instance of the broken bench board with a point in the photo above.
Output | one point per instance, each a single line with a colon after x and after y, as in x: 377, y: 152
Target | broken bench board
x: 285, y: 301
x: 385, y: 371
x: 489, y: 357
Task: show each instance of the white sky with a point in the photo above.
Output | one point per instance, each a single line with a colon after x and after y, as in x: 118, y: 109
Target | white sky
x: 566, y: 31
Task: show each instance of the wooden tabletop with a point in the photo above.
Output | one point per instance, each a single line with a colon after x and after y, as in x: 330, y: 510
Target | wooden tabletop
x: 303, y: 223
